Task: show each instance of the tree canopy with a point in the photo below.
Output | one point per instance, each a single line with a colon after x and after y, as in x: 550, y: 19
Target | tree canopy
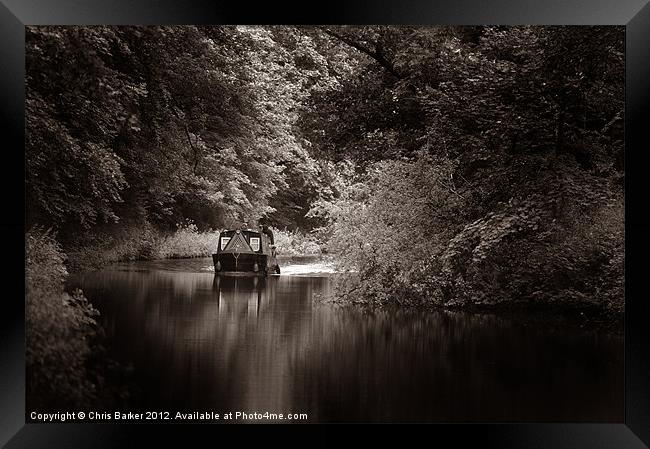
x: 490, y: 160
x: 162, y: 124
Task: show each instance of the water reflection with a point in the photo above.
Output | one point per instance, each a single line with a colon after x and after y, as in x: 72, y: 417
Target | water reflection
x: 200, y: 342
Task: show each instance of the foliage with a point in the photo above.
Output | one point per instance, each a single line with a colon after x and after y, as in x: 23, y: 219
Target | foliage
x: 488, y: 160
x: 187, y: 241
x: 295, y: 243
x: 140, y: 243
x: 59, y: 328
x: 111, y: 244
x: 156, y: 125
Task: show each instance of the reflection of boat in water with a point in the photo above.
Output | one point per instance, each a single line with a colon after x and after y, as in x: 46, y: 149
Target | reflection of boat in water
x: 242, y: 294
x: 244, y: 251
x: 236, y: 284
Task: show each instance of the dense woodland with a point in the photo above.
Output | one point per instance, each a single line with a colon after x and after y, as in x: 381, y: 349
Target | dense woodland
x: 455, y: 163
x: 443, y: 165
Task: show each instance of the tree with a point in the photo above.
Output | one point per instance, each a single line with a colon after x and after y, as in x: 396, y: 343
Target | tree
x: 160, y: 124
x: 525, y: 122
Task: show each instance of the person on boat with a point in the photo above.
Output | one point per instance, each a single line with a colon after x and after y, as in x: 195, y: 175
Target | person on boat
x: 266, y: 230
x: 263, y: 223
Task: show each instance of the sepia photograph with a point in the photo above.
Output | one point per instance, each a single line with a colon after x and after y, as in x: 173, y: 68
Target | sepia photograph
x: 324, y: 224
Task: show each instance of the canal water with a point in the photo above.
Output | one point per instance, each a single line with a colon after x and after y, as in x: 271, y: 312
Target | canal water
x: 197, y: 342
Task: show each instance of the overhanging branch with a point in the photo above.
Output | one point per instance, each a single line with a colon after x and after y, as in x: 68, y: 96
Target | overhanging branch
x: 375, y: 53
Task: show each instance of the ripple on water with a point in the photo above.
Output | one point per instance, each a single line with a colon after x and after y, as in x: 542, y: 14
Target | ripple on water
x: 298, y: 269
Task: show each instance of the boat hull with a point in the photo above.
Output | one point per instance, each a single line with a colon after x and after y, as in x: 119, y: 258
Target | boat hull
x: 240, y: 264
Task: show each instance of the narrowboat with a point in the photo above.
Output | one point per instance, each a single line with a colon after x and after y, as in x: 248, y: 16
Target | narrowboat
x: 245, y: 251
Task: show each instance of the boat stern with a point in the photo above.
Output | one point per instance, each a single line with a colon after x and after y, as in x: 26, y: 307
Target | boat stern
x: 239, y: 263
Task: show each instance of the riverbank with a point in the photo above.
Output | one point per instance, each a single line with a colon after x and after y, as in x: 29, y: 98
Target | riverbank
x: 566, y: 315
x: 66, y: 356
x: 147, y: 243
x: 188, y: 242
x: 593, y: 314
x: 554, y: 316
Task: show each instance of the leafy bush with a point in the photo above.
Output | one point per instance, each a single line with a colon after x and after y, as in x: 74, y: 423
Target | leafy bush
x: 295, y: 243
x: 187, y: 241
x: 140, y: 242
x: 116, y: 244
x: 412, y: 236
x: 59, y: 329
x: 385, y: 224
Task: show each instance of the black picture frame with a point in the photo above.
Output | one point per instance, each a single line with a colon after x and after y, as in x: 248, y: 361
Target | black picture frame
x: 634, y: 432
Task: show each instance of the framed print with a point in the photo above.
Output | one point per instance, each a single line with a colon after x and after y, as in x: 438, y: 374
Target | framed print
x: 374, y: 213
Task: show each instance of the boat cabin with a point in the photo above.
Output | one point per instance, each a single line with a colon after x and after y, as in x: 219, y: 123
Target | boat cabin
x: 242, y: 251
